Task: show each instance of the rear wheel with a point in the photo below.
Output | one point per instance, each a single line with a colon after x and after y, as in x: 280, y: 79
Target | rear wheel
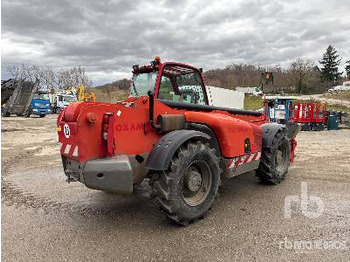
x: 275, y: 161
x: 187, y: 190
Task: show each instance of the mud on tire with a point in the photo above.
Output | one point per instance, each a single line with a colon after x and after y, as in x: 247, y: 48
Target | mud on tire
x: 187, y: 190
x: 275, y: 161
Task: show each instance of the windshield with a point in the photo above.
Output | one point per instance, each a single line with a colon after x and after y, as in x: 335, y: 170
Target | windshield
x: 41, y: 96
x: 69, y: 99
x: 142, y: 83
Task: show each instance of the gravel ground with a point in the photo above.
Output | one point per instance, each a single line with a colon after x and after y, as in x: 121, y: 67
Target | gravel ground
x: 46, y: 219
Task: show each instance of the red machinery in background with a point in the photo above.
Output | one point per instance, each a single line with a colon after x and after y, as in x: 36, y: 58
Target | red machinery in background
x: 312, y: 116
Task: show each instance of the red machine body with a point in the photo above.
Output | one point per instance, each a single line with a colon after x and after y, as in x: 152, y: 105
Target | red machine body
x: 129, y: 131
x: 167, y: 132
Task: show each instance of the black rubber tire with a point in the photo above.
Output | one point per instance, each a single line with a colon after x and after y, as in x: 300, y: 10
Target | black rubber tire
x: 306, y: 127
x: 320, y: 127
x: 314, y: 127
x: 42, y: 116
x: 5, y: 114
x: 269, y: 172
x: 169, y: 188
x: 28, y: 114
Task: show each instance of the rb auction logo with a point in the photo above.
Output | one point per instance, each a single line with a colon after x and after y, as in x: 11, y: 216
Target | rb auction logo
x: 305, y: 202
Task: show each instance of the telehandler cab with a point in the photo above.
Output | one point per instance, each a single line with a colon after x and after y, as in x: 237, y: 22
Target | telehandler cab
x: 165, y: 131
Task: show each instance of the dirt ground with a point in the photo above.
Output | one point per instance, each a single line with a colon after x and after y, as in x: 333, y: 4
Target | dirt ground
x: 46, y: 219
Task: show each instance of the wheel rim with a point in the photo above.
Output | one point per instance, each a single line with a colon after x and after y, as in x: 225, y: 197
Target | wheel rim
x: 197, y: 180
x: 281, y: 158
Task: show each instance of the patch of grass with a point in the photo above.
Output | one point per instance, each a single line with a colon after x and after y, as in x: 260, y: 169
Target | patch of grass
x: 109, y: 96
x: 341, y: 95
x: 253, y: 102
x: 338, y: 108
x: 311, y: 100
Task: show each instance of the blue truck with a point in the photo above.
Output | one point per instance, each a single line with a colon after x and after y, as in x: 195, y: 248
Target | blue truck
x: 40, y: 104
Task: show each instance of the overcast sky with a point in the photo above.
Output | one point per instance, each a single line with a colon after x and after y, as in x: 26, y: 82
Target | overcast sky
x: 108, y: 37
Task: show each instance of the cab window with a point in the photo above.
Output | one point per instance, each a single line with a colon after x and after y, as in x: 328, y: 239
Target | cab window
x: 181, y: 84
x: 166, y: 89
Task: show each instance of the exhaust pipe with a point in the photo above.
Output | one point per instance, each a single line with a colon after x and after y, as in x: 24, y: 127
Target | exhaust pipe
x: 151, y: 111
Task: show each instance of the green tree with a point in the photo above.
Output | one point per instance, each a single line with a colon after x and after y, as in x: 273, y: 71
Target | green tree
x: 330, y: 65
x: 347, y: 69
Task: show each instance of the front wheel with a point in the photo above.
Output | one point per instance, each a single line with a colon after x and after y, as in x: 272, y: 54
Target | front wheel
x: 42, y: 116
x: 187, y: 190
x: 275, y: 161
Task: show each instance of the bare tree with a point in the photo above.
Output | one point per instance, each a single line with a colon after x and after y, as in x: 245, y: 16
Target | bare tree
x: 72, y: 77
x: 300, y: 71
x: 14, y: 71
x: 48, y: 78
x: 347, y: 69
x: 26, y: 72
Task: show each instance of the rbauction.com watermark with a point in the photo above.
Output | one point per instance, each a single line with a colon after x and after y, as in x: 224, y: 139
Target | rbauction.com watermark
x: 313, y: 245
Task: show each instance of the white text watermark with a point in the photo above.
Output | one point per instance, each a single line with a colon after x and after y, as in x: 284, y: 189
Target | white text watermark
x: 313, y: 244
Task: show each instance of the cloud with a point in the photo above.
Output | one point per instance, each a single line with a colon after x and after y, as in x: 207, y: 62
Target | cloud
x: 108, y: 37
